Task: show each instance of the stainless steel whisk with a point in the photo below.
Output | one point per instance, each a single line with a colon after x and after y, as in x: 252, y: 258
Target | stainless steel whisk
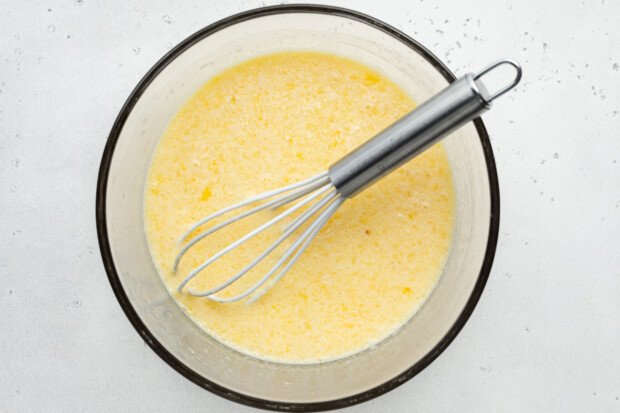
x: 322, y: 195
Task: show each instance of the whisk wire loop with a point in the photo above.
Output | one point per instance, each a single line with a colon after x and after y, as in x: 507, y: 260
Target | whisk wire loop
x: 297, y: 248
x: 298, y: 222
x: 252, y: 234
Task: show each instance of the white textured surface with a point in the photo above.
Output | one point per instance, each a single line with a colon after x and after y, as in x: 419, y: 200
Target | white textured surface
x: 546, y: 333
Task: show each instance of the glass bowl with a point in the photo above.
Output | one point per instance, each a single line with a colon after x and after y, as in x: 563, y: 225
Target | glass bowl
x: 145, y: 299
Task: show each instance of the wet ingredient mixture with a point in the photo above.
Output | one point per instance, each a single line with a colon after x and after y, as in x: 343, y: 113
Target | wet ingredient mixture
x: 272, y: 121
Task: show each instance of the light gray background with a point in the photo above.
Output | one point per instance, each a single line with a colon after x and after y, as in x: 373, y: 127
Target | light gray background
x: 546, y: 333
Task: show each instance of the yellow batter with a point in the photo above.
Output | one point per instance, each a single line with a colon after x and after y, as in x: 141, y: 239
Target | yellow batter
x: 272, y: 121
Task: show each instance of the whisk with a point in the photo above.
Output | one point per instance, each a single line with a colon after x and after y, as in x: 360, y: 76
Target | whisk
x: 321, y: 195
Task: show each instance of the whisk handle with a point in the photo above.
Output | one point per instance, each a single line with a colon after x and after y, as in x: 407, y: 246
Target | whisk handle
x: 461, y: 101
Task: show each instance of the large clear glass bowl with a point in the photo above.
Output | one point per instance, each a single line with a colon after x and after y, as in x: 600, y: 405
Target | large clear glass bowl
x: 141, y: 292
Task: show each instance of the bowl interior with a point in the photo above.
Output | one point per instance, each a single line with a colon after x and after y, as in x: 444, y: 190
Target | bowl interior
x: 166, y: 327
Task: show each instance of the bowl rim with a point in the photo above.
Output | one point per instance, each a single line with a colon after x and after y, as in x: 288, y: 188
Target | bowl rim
x: 132, y: 315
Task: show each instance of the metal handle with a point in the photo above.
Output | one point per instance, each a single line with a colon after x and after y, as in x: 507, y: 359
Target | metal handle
x: 457, y: 104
